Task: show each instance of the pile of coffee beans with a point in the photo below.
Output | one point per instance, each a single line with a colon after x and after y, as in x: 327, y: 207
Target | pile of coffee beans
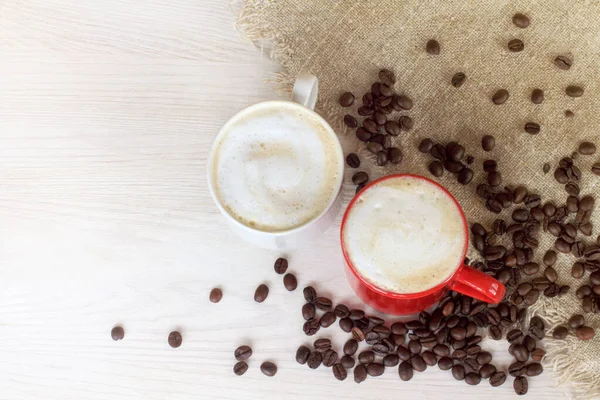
x: 448, y: 157
x: 380, y: 119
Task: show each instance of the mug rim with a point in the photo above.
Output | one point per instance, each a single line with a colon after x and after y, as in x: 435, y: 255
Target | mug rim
x: 210, y: 169
x: 395, y: 295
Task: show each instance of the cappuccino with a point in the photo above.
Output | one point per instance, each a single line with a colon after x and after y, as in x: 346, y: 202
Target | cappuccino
x: 276, y: 166
x: 404, y: 235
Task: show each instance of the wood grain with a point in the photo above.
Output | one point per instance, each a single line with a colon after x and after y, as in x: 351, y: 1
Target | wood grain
x: 107, y: 112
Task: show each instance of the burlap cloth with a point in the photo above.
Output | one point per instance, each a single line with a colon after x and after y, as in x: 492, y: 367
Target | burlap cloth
x: 346, y: 42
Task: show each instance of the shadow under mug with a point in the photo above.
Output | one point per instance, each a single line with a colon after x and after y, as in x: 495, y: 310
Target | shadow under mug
x: 465, y: 279
x: 304, y: 95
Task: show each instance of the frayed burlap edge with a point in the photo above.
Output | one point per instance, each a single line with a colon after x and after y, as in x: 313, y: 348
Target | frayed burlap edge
x: 565, y: 367
x: 562, y: 355
x: 251, y: 25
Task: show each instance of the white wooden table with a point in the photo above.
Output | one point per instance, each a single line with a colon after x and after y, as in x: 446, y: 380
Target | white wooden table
x: 107, y: 112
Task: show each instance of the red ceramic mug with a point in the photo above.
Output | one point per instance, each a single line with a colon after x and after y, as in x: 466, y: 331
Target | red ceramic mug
x: 465, y: 279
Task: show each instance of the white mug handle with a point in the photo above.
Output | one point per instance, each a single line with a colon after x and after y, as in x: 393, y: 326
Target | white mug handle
x: 305, y: 90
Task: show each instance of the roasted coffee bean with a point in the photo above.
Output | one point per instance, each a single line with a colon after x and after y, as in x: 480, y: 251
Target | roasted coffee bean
x: 495, y: 333
x: 592, y: 253
x: 493, y: 253
x: 586, y: 229
x: 418, y: 363
x: 363, y: 135
x: 366, y: 357
x: 520, y: 385
x: 322, y: 344
x: 360, y: 373
x: 310, y: 294
x: 425, y: 146
x: 524, y: 288
x: 563, y: 62
x: 302, y: 354
x: 458, y: 372
x: 392, y: 128
x: 311, y: 326
x: 436, y: 168
x: 346, y: 99
x: 531, y: 268
x: 357, y: 314
x: 414, y: 346
x: 371, y: 338
x: 550, y: 258
x: 375, y: 369
x: 560, y: 174
x: 487, y: 370
x: 521, y: 21
x: 537, y: 96
x: 529, y: 343
x: 215, y: 295
x: 240, y: 368
x: 458, y: 79
x: 532, y: 128
x: 574, y: 91
x: 353, y: 162
x: 438, y: 152
x: 314, y: 360
x: 517, y: 369
x: 458, y: 333
x: 500, y: 97
x: 497, y: 379
x: 261, y: 293
x: 578, y: 249
x: 350, y: 347
x: 546, y: 168
x: 175, y: 339
x: 488, y: 142
x: 429, y: 358
x: 399, y: 328
x: 358, y: 334
x: 554, y: 228
x: 596, y: 169
x: 473, y: 378
x: 339, y: 372
x: 484, y: 358
x: 323, y: 303
x: 382, y: 158
x: 406, y: 123
x: 587, y: 148
x: 387, y: 77
x: 562, y: 246
x: 473, y: 350
x: 569, y: 114
x: 375, y: 147
x: 586, y: 203
x: 585, y: 333
x: 560, y: 332
x: 327, y: 319
x: 459, y: 354
x: 403, y: 353
x: 350, y: 121
x: 404, y: 102
x: 290, y: 282
x: 516, y: 45
x: 532, y: 297
x: 347, y: 361
x: 583, y: 291
x: 520, y: 215
x: 242, y: 353
x: 534, y: 369
x: 330, y: 357
x: 432, y: 47
x: 489, y: 165
x: 341, y: 311
x: 572, y: 188
x: 520, y: 353
x: 117, y: 333
x: 453, y: 166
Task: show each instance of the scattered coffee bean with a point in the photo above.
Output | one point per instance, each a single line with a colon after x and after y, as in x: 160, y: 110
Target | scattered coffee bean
x: 534, y: 369
x: 596, y: 169
x: 353, y: 161
x: 532, y: 128
x: 587, y: 148
x: 360, y: 178
x: 242, y: 353
x: 360, y: 373
x: 311, y: 327
x: 488, y: 142
x: 458, y: 372
x: 261, y: 293
x: 574, y: 91
x: 563, y: 62
x: 302, y: 354
x: 537, y: 96
x: 327, y: 319
x: 473, y: 378
x: 425, y: 146
x: 346, y: 324
x: 175, y: 339
x: 387, y: 77
x: 346, y: 99
x: 268, y: 368
x: 339, y: 371
x: 569, y: 114
x: 520, y: 385
x: 290, y: 282
x: 498, y: 379
x: 323, y: 303
x: 576, y: 321
x: 375, y: 369
x: 516, y: 45
x: 585, y: 333
x: 538, y: 354
x: 240, y: 368
x: 358, y: 334
x: 500, y: 97
x: 117, y: 333
x: 314, y: 360
x: 310, y: 294
x: 486, y: 371
x: 560, y: 332
x: 330, y: 357
x: 432, y: 47
x: 350, y: 121
x: 436, y: 168
x: 458, y: 79
x: 347, y: 361
x: 520, y: 20
x: 546, y: 168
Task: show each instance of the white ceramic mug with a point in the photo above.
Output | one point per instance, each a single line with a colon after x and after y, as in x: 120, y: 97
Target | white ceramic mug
x: 304, y: 95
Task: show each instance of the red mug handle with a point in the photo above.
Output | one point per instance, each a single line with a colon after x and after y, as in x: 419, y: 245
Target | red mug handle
x: 478, y: 285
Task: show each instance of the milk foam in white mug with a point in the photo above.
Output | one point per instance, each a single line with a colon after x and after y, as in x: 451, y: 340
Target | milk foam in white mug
x: 404, y: 235
x: 276, y: 170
